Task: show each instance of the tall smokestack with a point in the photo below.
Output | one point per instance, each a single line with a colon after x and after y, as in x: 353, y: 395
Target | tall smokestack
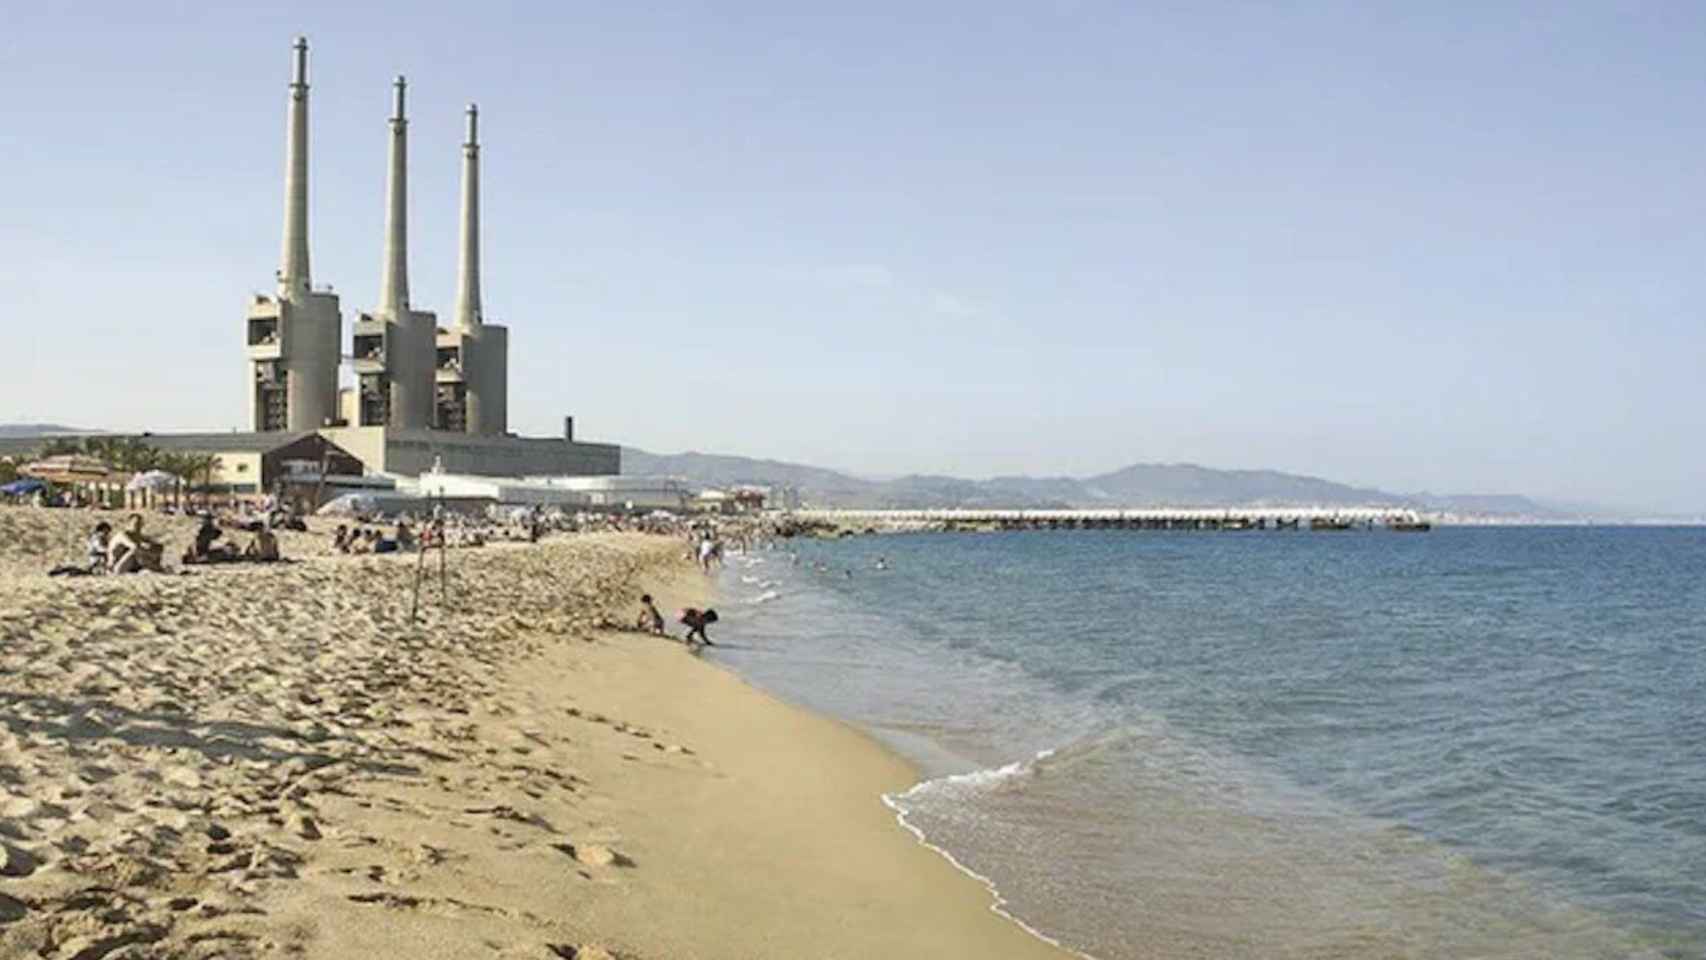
x: 293, y: 271
x: 394, y: 280
x: 468, y: 315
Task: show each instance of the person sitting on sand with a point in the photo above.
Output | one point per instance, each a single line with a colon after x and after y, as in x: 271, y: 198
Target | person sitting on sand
x: 205, y: 534
x: 131, y: 550
x: 341, y: 539
x: 696, y: 621
x: 405, y: 537
x: 358, y: 541
x: 97, y: 546
x: 263, y: 548
x: 650, y: 620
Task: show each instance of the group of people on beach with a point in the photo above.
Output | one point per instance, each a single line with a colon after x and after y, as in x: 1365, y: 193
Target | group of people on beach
x: 370, y: 540
x: 262, y: 546
x: 130, y: 549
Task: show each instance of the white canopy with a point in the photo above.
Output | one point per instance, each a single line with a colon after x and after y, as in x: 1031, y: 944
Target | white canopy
x: 152, y: 480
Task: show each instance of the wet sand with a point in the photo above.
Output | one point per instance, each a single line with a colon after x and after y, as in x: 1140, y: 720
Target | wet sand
x: 254, y: 761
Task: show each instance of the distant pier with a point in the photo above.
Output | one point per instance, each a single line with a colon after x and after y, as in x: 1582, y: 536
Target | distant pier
x: 1162, y: 518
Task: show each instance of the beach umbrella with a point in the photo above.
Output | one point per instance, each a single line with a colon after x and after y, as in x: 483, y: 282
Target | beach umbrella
x: 152, y: 480
x: 68, y: 468
x: 20, y: 487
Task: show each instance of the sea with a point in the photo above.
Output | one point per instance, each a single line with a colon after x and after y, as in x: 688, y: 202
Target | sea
x: 1471, y: 742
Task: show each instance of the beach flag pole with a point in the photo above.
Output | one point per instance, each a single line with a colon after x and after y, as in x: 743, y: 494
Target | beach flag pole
x: 415, y: 608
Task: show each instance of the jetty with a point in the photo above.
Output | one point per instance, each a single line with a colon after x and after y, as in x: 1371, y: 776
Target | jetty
x: 1154, y: 518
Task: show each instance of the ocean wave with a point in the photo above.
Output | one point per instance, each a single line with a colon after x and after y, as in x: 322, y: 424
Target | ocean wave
x: 764, y: 597
x: 975, y: 779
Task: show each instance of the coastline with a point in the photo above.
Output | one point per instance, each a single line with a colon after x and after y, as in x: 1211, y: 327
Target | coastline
x: 249, y: 761
x: 788, y: 846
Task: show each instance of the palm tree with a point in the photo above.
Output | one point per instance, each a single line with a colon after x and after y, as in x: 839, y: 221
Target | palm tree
x: 198, y: 465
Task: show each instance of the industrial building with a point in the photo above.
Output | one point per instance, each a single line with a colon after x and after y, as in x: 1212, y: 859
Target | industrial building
x: 293, y: 348
x: 422, y: 394
x: 392, y: 349
x: 631, y: 493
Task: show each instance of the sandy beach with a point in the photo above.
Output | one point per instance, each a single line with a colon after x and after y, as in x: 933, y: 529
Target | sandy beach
x: 253, y: 761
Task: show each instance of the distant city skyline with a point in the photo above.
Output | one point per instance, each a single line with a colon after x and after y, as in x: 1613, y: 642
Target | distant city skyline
x: 1452, y: 249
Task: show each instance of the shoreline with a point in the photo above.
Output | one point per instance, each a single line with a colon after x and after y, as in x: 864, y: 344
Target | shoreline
x: 908, y: 898
x: 249, y: 761
x: 918, y: 777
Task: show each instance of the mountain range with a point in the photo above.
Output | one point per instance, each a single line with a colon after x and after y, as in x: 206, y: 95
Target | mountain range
x: 1139, y: 485
x: 35, y: 429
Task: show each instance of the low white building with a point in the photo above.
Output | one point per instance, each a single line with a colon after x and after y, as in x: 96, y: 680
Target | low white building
x: 633, y: 493
x: 507, y: 491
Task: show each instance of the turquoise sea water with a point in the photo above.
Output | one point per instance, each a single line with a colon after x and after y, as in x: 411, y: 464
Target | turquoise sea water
x: 1473, y: 742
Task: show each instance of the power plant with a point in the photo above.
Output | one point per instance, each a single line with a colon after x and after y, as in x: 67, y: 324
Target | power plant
x: 473, y: 357
x: 293, y: 335
x: 423, y: 395
x: 392, y: 350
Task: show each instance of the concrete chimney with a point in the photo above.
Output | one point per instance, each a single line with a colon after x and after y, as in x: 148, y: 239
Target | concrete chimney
x: 394, y: 279
x: 293, y: 276
x: 468, y: 314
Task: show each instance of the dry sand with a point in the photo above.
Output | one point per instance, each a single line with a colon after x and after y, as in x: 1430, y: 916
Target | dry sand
x: 256, y: 761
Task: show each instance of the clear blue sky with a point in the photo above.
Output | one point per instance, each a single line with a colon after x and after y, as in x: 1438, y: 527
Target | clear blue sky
x: 1456, y: 247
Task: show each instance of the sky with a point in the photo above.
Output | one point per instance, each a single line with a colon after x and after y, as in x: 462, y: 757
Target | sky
x: 1453, y: 247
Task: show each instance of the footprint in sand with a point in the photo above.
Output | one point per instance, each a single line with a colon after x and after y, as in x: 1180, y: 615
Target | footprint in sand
x: 595, y: 855
x: 16, y: 861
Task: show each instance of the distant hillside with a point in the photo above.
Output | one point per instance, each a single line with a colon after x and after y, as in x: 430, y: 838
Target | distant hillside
x: 35, y: 429
x: 1495, y: 504
x: 1139, y: 485
x: 1176, y: 484
x: 719, y: 471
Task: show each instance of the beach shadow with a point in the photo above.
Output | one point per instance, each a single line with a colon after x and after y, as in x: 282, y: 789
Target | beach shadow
x: 98, y: 719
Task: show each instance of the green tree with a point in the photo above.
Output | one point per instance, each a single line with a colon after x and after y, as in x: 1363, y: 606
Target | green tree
x: 55, y: 446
